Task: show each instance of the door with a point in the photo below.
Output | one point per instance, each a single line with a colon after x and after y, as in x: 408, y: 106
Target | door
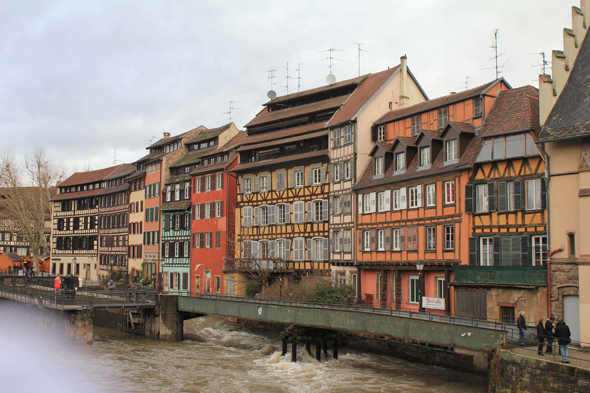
x: 87, y: 272
x: 571, y: 314
x: 471, y: 304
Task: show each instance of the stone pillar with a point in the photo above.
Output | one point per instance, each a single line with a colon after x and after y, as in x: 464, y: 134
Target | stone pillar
x: 78, y: 327
x: 169, y: 320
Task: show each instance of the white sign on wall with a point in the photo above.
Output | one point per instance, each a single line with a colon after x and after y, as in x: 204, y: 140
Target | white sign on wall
x: 433, y: 302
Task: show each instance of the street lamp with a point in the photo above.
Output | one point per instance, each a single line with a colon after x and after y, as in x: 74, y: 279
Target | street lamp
x: 112, y: 262
x: 419, y: 267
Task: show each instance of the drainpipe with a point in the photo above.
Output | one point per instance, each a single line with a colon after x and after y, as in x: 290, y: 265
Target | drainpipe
x: 549, y: 280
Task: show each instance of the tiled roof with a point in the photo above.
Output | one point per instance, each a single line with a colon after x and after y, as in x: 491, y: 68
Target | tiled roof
x: 214, y: 168
x: 406, y: 140
x: 13, y: 257
x: 276, y: 142
x: 264, y: 116
x: 179, y: 178
x: 280, y: 160
x: 513, y: 111
x: 192, y: 157
x: 286, y: 133
x: 366, y: 90
x: 208, y: 134
x: 181, y: 205
x: 570, y: 116
x: 437, y: 102
x: 87, y: 177
x: 170, y: 139
x: 149, y: 157
x: 437, y: 166
x: 114, y: 190
x: 136, y: 174
x: 122, y: 170
x: 75, y: 195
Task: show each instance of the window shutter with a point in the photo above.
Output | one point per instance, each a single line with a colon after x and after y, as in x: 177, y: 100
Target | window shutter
x: 143, y: 238
x: 308, y: 177
x: 387, y: 236
x: 145, y: 192
x: 202, y: 211
x: 518, y: 200
x: 309, y: 249
x: 524, y: 250
x: 309, y: 211
x: 374, y: 134
x: 147, y: 215
x: 492, y: 197
x: 256, y: 216
x: 372, y: 237
x: 419, y: 195
x: 473, y: 251
x: 360, y: 239
x: 468, y: 198
x: 331, y: 173
x: 221, y: 208
x: 402, y: 239
x: 387, y: 200
x: 287, y: 250
x: 360, y: 204
x: 403, y: 202
x: 544, y: 193
x: 203, y: 181
x: 167, y: 220
x: 271, y: 215
x: 203, y: 236
x: 256, y: 184
x: 292, y: 179
x: 502, y: 201
x: 220, y: 185
x: 505, y: 250
x: 373, y: 202
x: 352, y: 170
x: 496, y: 245
x: 332, y: 206
x: 326, y: 250
x: 254, y: 248
x: 242, y: 185
x: 213, y: 182
x: 331, y: 241
x: 323, y: 175
x: 325, y: 210
x: 341, y: 170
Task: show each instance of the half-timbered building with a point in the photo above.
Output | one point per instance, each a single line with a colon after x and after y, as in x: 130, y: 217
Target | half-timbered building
x: 113, y: 217
x: 506, y: 203
x: 409, y: 217
x: 351, y: 140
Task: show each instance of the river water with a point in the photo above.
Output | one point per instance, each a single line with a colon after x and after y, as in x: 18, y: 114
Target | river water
x: 217, y: 359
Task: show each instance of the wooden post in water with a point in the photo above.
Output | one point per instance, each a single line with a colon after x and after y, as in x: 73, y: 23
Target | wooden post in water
x: 335, y: 353
x: 308, y: 347
x: 294, y: 351
x: 325, y: 344
x: 318, y: 350
x: 285, y: 345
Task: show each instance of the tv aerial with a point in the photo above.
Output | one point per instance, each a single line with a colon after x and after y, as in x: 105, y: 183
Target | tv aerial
x: 331, y: 79
x: 271, y: 76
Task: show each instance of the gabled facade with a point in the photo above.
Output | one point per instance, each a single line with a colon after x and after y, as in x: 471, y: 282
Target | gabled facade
x: 137, y: 266
x: 351, y: 140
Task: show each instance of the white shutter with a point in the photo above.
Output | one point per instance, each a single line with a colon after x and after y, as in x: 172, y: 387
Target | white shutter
x: 326, y: 250
x: 386, y: 200
x: 331, y: 173
x: 292, y: 180
x: 271, y: 215
x: 331, y: 241
x: 287, y: 250
x: 372, y: 202
x: 256, y: 216
x: 419, y: 195
x: 309, y: 249
x: 287, y: 213
x: 308, y: 177
x: 325, y: 210
x: 323, y: 175
x: 256, y: 184
x: 341, y: 170
x: 403, y: 204
x: 254, y: 248
x: 309, y: 211
x: 268, y: 182
x: 360, y: 203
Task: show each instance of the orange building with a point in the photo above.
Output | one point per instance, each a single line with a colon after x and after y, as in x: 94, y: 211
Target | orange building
x: 10, y: 260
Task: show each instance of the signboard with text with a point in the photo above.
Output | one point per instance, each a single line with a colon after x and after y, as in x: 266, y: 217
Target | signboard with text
x: 433, y: 302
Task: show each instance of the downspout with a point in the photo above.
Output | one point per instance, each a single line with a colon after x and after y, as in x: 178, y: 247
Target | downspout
x: 548, y: 176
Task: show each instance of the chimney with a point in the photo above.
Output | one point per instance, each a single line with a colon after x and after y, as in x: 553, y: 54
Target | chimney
x: 403, y: 98
x: 166, y: 135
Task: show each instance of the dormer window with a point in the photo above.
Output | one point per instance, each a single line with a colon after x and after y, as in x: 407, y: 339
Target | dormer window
x: 425, y: 156
x: 378, y: 166
x: 380, y: 133
x: 400, y: 162
x: 443, y: 117
x: 451, y: 150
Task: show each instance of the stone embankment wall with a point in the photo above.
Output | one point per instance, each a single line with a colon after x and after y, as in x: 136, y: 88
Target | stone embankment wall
x: 512, y: 372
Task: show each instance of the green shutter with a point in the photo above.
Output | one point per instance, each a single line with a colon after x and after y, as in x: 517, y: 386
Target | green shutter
x: 492, y: 197
x: 502, y: 202
x: 468, y: 198
x: 151, y: 214
x: 156, y: 213
x: 473, y: 251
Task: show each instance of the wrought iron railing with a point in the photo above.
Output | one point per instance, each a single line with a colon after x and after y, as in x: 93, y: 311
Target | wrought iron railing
x: 501, y: 274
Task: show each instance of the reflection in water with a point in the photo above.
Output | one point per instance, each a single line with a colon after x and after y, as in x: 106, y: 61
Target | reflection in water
x: 219, y: 359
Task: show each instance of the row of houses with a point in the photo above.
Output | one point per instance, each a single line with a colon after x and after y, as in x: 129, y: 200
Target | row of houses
x: 422, y: 204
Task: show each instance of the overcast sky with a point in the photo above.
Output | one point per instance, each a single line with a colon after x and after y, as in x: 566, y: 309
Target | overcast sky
x: 83, y: 77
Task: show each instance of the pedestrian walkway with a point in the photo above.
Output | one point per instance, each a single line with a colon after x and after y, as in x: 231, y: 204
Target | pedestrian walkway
x: 577, y: 356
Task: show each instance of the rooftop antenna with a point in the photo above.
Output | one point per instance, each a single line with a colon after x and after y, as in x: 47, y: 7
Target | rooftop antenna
x: 298, y: 77
x: 358, y: 44
x: 467, y: 81
x: 271, y: 76
x: 231, y: 108
x: 287, y: 77
x: 331, y: 79
x: 542, y: 65
x: 151, y: 140
x: 115, y: 156
x: 496, y: 55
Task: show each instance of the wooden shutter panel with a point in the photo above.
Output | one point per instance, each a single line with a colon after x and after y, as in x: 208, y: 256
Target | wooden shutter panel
x: 524, y: 250
x: 468, y: 198
x: 402, y: 239
x: 309, y: 249
x: 372, y: 235
x: 387, y: 200
x: 374, y: 134
x: 323, y: 175
x: 502, y: 197
x: 309, y: 211
x: 341, y: 170
x: 360, y: 239
x: 203, y: 184
x: 387, y: 236
x: 213, y: 182
x: 331, y: 237
x: 403, y: 200
x: 220, y: 185
x: 288, y: 250
x: 473, y: 251
x: 505, y: 250
x: 331, y: 173
x: 242, y: 185
x: 325, y: 210
x: 518, y: 199
x: 292, y: 179
x: 202, y: 211
x: 326, y: 252
x: 256, y: 216
x: 202, y: 240
x: 419, y: 195
x: 256, y: 184
x: 360, y: 204
x: 492, y: 197
x: 544, y: 193
x: 496, y: 245
x: 221, y: 208
x: 308, y: 177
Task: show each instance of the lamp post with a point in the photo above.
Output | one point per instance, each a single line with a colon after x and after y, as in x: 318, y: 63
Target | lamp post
x: 75, y: 261
x: 112, y: 262
x: 419, y: 267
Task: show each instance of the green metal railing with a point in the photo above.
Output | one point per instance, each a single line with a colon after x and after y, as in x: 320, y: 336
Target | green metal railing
x: 501, y: 274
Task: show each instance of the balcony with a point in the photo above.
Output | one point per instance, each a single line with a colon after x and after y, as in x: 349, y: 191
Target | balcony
x: 520, y: 275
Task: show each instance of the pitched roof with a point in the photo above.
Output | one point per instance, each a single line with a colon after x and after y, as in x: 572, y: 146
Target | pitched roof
x: 114, y: 190
x: 192, y: 157
x: 437, y: 102
x: 280, y: 160
x: 76, y: 195
x: 180, y: 205
x: 286, y: 133
x: 513, y: 111
x: 122, y: 170
x: 87, y: 177
x: 277, y: 142
x: 214, y: 168
x: 207, y: 134
x: 362, y: 94
x: 149, y: 157
x: 170, y: 139
x: 570, y: 116
x: 13, y: 257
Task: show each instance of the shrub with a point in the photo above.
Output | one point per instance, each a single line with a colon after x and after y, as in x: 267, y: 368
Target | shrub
x: 326, y: 292
x: 252, y: 288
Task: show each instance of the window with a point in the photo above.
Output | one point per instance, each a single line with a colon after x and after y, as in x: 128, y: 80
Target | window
x: 366, y: 241
x: 510, y: 196
x: 298, y: 212
x: 208, y: 183
x: 412, y: 238
x: 449, y: 192
x: 347, y: 170
x: 218, y: 181
x: 380, y: 133
x: 378, y: 166
x: 396, y: 246
x: 347, y: 240
x: 217, y: 239
x: 197, y: 240
x: 186, y: 249
x: 354, y: 283
x: 337, y: 241
x: 400, y: 162
x: 533, y: 194
x: 430, y: 195
x: 572, y: 244
x: 481, y: 195
x: 176, y: 249
x: 280, y: 180
x: 168, y: 192
x: 539, y: 250
x: 317, y: 176
x: 177, y: 221
x: 197, y: 211
x: 298, y: 249
x: 336, y: 137
x: 383, y: 201
x: 415, y: 125
x: 264, y: 215
x: 487, y: 251
x: 281, y: 213
x: 415, y: 196
x: 299, y: 178
x: 395, y: 196
x: 247, y: 185
x: 414, y: 284
x: 207, y: 239
x: 347, y: 137
x: 476, y: 107
x: 449, y: 237
x: 263, y: 183
x: 440, y: 287
x: 451, y: 149
x: 381, y: 240
x: 336, y: 168
x: 425, y: 156
x: 508, y: 314
x: 197, y: 185
x: 378, y: 285
x: 431, y: 238
x: 247, y: 218
x: 318, y: 249
x: 443, y: 117
x: 207, y: 210
x: 318, y: 210
x: 187, y: 191
x: 177, y: 192
x: 337, y: 205
x: 218, y: 212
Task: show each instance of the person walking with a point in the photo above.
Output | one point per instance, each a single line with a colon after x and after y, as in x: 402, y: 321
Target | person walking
x: 562, y: 333
x: 540, y: 336
x: 521, y: 325
x: 549, y: 334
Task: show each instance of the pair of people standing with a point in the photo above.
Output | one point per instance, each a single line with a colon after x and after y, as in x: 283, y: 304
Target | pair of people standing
x: 545, y: 331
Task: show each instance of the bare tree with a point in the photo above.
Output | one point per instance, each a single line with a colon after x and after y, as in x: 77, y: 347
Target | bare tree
x: 26, y: 194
